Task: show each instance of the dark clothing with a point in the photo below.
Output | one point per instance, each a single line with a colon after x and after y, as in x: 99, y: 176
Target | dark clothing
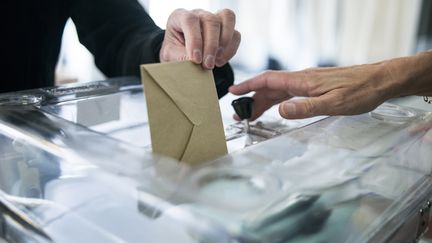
x: 119, y: 33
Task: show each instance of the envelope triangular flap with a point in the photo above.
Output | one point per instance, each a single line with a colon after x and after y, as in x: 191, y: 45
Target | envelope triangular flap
x: 189, y: 92
x: 205, y: 143
x: 169, y: 127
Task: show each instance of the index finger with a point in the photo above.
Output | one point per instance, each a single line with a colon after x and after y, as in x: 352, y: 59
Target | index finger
x: 294, y: 83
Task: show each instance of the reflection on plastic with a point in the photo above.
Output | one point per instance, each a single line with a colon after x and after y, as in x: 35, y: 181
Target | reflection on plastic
x: 393, y: 113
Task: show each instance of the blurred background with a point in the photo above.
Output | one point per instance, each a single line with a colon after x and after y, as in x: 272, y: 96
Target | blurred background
x: 291, y: 34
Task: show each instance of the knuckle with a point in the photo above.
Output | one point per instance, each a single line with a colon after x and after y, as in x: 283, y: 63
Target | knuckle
x: 267, y: 74
x: 198, y: 10
x: 310, y: 107
x: 190, y: 18
x: 210, y: 19
x: 178, y: 11
x: 228, y: 14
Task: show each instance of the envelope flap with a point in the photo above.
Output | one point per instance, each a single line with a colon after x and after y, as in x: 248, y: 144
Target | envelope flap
x: 205, y: 143
x: 189, y: 91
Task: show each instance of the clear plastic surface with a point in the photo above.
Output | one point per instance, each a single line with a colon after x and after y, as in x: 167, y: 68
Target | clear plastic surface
x: 393, y: 113
x: 339, y: 179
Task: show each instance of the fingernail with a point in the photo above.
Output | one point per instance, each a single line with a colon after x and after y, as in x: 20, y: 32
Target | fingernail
x: 210, y: 61
x: 289, y: 109
x: 197, y: 56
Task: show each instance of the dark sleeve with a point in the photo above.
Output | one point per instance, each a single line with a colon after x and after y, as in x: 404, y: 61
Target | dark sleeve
x: 121, y: 36
x: 119, y: 33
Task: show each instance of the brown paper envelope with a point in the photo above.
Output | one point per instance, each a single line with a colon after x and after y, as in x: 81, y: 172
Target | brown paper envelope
x: 183, y: 110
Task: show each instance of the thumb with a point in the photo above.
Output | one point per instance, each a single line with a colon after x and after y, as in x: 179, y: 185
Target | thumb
x: 304, y: 108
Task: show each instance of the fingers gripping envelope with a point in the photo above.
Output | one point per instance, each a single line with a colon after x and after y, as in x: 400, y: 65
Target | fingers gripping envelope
x: 183, y: 109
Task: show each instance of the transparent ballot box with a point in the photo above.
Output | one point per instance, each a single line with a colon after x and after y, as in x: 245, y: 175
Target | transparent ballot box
x: 76, y: 165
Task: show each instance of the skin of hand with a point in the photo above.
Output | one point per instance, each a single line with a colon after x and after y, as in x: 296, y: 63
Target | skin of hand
x: 200, y: 36
x: 340, y: 90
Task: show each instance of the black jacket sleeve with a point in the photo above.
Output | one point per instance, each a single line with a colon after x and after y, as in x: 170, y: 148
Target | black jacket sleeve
x: 121, y: 36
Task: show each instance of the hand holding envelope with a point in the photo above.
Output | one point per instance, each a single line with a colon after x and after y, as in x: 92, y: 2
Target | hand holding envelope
x: 183, y: 109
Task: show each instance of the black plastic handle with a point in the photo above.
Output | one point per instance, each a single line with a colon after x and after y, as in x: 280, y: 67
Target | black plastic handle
x: 243, y: 107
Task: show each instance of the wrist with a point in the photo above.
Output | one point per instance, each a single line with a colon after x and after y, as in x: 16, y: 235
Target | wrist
x: 400, y: 72
x: 396, y: 81
x: 410, y: 75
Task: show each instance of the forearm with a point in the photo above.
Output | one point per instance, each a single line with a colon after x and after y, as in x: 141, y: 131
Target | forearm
x: 410, y: 75
x: 119, y: 33
x: 141, y: 48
